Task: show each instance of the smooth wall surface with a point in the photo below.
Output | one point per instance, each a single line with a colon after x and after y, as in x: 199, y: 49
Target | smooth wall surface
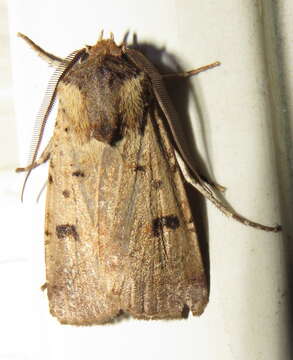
x: 228, y: 117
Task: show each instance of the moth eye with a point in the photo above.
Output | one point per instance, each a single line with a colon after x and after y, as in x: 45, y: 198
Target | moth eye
x: 83, y: 57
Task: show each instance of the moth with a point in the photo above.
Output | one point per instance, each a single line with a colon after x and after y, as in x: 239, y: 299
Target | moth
x: 119, y: 233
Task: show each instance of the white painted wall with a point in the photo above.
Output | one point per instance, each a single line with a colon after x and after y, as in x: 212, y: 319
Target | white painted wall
x: 230, y: 111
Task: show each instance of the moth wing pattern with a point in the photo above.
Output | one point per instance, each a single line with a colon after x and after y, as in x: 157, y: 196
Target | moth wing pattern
x: 119, y: 233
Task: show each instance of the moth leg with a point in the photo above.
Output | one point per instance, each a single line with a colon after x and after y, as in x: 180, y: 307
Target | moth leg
x: 186, y: 74
x: 51, y: 59
x: 41, y: 191
x: 214, y: 185
x: 44, y: 286
x: 210, y: 196
x: 42, y: 159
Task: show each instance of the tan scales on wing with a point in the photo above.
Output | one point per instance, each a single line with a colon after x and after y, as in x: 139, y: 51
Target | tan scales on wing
x: 103, y: 251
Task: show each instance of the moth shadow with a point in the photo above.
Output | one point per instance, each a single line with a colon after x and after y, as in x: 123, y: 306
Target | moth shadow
x: 125, y: 316
x: 179, y: 90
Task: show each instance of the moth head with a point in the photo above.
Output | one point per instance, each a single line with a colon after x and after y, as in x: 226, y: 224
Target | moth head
x: 106, y: 47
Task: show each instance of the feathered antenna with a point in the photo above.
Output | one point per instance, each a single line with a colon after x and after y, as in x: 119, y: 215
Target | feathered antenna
x: 100, y: 38
x: 46, y: 107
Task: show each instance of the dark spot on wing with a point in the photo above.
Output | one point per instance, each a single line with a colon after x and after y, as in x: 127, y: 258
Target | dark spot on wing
x: 66, y: 129
x: 62, y: 231
x: 47, y: 233
x: 139, y: 168
x: 66, y: 193
x: 142, y: 122
x: 63, y: 110
x: 157, y: 184
x: 174, y: 168
x: 55, y: 289
x: 169, y: 221
x: 50, y: 179
x: 185, y: 311
x: 78, y: 173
